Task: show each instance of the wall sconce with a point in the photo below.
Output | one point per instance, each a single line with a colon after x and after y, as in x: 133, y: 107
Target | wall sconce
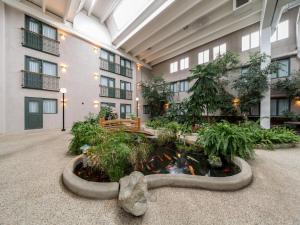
x: 236, y: 102
x: 95, y: 49
x: 63, y: 68
x: 96, y: 76
x: 96, y: 104
x: 139, y: 66
x: 62, y: 36
x: 297, y: 101
x: 166, y: 106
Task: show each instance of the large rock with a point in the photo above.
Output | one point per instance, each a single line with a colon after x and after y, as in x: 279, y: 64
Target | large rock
x: 133, y: 194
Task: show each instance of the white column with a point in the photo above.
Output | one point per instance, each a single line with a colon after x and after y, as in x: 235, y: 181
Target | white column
x: 2, y: 68
x: 265, y: 104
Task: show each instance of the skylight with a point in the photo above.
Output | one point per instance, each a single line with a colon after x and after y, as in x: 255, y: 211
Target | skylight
x: 128, y: 10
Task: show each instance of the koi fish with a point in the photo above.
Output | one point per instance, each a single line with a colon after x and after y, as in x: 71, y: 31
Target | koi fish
x: 191, y: 169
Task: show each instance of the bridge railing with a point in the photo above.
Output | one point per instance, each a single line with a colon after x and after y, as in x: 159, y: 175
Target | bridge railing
x: 126, y: 124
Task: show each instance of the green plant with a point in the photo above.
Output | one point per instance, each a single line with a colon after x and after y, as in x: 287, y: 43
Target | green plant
x: 208, y: 91
x: 86, y: 132
x: 215, y: 161
x: 291, y: 86
x: 156, y: 93
x: 252, y: 84
x: 225, y: 140
x: 157, y: 122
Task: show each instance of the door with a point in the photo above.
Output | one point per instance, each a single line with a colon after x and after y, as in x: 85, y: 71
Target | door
x: 122, y: 89
x: 33, y: 39
x: 111, y: 87
x: 33, y: 113
x: 125, y: 110
x: 33, y: 77
x: 111, y: 62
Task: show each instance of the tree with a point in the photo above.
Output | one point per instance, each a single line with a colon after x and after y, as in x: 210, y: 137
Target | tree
x: 253, y: 83
x: 290, y: 86
x: 208, y: 91
x: 156, y: 93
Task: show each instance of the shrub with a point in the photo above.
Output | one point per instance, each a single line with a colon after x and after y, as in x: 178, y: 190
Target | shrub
x: 158, y: 122
x: 225, y: 140
x: 85, y: 133
x: 267, y: 138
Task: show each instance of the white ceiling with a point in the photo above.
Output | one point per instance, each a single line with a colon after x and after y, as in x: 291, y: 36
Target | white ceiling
x: 166, y: 28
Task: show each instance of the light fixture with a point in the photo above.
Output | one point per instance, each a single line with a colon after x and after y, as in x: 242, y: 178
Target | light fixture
x: 96, y: 76
x: 63, y: 68
x: 95, y: 49
x: 139, y: 66
x: 137, y: 99
x: 63, y: 90
x: 62, y: 36
x: 236, y: 102
x: 297, y: 101
x: 96, y: 104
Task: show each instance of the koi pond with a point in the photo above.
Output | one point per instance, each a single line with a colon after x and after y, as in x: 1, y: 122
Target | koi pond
x: 171, y: 158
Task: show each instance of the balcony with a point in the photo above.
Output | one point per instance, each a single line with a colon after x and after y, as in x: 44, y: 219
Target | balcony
x: 40, y: 81
x: 40, y: 42
x: 115, y: 68
x: 115, y: 93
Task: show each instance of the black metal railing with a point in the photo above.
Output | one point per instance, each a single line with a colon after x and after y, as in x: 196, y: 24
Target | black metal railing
x: 115, y: 68
x: 40, y: 81
x: 115, y: 93
x: 40, y: 42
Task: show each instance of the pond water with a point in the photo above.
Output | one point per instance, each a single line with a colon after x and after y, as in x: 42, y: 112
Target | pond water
x: 170, y: 160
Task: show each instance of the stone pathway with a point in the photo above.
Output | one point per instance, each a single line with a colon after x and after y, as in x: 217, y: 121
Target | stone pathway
x: 31, y: 191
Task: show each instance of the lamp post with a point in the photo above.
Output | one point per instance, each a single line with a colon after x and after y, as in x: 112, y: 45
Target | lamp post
x: 63, y: 91
x: 137, y: 106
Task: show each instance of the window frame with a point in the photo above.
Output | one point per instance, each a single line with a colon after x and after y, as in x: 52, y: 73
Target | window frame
x: 26, y: 65
x: 172, y: 67
x: 276, y: 32
x: 277, y: 72
x: 277, y: 106
x: 203, y: 57
x: 185, y: 62
x: 56, y: 105
x: 219, y: 50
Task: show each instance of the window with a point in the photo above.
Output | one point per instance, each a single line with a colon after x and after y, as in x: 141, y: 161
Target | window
x: 184, y: 63
x: 146, y: 109
x: 281, y: 32
x: 244, y: 71
x: 183, y: 86
x: 283, y: 70
x: 255, y: 110
x: 33, y: 107
x: 50, y: 106
x: 250, y: 41
x: 173, y: 87
x: 125, y: 111
x: 108, y: 104
x: 279, y: 106
x: 40, y: 36
x: 203, y: 57
x: 239, y: 3
x: 173, y: 67
x: 219, y: 50
x: 35, y: 65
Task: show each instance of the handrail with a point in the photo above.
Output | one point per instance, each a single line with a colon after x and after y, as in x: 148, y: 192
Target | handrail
x: 127, y: 124
x: 40, y: 81
x: 104, y: 64
x: 116, y: 92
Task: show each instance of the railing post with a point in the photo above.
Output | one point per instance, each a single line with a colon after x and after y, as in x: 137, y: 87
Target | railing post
x: 138, y: 123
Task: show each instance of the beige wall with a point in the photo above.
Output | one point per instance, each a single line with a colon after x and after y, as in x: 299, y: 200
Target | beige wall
x: 82, y: 88
x: 280, y: 49
x: 2, y: 67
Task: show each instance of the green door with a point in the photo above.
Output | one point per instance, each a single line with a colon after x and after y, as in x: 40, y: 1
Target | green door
x: 122, y: 89
x: 125, y: 110
x: 122, y: 67
x: 33, y: 113
x: 33, y: 39
x: 33, y: 77
x: 111, y: 88
x: 111, y: 62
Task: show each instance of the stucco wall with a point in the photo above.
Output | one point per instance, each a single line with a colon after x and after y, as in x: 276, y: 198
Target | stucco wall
x: 82, y: 88
x: 2, y: 67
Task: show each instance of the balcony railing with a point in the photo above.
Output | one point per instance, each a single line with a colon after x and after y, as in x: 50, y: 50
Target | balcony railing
x: 111, y: 92
x: 115, y: 68
x: 40, y: 81
x: 40, y: 42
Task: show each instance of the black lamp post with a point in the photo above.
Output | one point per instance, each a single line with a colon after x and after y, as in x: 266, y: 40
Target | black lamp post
x: 137, y: 106
x: 63, y: 91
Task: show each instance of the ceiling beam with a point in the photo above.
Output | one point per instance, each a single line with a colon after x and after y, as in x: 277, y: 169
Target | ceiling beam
x: 246, y: 21
x: 186, y: 19
x: 216, y: 20
x: 174, y: 11
x: 209, y: 15
x: 80, y: 6
x: 44, y: 5
x: 70, y: 10
x: 110, y: 10
x: 141, y: 19
x: 92, y: 6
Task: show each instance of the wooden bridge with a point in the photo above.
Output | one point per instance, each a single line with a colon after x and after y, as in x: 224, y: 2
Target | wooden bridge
x: 128, y: 125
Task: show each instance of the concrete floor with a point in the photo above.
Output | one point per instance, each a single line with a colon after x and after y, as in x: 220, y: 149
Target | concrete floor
x: 31, y: 191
